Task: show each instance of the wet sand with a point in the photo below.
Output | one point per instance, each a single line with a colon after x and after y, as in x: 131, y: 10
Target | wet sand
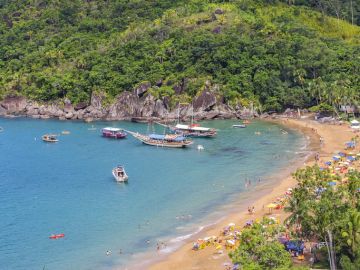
x: 185, y: 258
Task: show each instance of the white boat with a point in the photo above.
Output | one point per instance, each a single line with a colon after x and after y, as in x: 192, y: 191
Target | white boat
x: 120, y: 174
x: 51, y: 138
x: 239, y: 126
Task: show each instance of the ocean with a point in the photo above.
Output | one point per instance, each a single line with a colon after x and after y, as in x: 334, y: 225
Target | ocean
x: 67, y: 187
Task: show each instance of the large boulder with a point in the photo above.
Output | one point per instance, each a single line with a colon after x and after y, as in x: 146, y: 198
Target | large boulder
x: 2, y: 111
x: 126, y: 106
x: 14, y: 104
x: 205, y: 101
x: 142, y: 88
x: 96, y: 100
x: 159, y: 109
x: 80, y: 106
x: 148, y: 105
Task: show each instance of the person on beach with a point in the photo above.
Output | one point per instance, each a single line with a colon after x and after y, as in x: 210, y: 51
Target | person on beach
x: 317, y: 157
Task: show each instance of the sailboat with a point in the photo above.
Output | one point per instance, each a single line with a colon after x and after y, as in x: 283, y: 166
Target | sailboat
x: 192, y: 130
x: 166, y: 140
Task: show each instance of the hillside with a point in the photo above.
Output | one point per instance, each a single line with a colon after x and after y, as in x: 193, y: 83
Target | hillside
x: 274, y: 56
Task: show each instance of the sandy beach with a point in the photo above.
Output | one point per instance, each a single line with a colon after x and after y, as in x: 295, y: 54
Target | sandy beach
x: 334, y: 137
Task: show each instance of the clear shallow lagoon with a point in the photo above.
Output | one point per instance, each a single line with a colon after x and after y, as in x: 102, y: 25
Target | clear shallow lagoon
x: 68, y: 188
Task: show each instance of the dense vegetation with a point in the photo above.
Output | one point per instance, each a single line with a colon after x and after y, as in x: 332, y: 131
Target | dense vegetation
x: 329, y: 213
x: 319, y: 212
x: 269, y: 53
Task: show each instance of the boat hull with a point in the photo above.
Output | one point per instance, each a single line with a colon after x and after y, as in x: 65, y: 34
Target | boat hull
x: 161, y: 143
x: 123, y: 178
x: 120, y: 135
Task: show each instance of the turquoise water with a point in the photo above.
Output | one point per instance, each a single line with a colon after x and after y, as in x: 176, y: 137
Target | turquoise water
x: 68, y: 188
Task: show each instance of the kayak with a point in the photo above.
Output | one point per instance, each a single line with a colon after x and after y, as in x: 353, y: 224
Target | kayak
x: 57, y: 236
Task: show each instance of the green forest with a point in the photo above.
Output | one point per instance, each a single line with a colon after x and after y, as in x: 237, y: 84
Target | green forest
x: 275, y: 54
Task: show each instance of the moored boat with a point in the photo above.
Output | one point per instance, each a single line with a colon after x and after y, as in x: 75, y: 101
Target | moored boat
x: 120, y: 174
x: 193, y: 130
x: 115, y: 133
x: 239, y: 126
x: 49, y: 138
x: 167, y: 140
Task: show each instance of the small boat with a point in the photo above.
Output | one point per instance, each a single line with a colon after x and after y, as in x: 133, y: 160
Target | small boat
x: 65, y: 132
x: 115, y: 133
x: 119, y: 174
x: 284, y: 132
x: 193, y: 130
x: 239, y: 126
x: 49, y: 138
x: 167, y: 140
x: 57, y: 236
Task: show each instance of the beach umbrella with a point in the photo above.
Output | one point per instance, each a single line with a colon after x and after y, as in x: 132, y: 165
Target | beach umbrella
x: 336, y: 158
x: 332, y: 183
x: 351, y: 158
x: 271, y: 205
x: 341, y: 154
x: 328, y: 163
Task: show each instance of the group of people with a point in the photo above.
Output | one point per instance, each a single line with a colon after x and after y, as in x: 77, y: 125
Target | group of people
x: 251, y: 210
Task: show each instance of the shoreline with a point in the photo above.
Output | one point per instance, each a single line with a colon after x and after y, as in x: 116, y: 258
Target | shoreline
x: 185, y: 258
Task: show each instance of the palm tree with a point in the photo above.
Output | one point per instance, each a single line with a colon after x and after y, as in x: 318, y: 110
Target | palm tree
x: 351, y: 233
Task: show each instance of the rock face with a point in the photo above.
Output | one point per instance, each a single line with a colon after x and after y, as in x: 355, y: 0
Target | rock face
x: 126, y: 106
x: 14, y: 105
x: 205, y: 101
x: 142, y: 88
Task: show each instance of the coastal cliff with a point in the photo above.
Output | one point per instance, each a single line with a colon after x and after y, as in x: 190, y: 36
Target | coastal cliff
x: 136, y: 105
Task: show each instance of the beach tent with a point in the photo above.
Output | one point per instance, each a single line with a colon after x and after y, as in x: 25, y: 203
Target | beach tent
x: 350, y: 144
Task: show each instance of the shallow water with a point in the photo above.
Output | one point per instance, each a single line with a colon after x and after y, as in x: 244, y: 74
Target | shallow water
x: 68, y: 188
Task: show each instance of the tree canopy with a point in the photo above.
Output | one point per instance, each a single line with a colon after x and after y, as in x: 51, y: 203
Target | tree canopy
x: 269, y: 53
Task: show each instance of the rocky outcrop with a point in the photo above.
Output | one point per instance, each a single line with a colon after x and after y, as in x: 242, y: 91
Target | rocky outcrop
x: 209, y: 104
x: 126, y: 106
x: 142, y: 88
x: 205, y: 101
x: 14, y: 104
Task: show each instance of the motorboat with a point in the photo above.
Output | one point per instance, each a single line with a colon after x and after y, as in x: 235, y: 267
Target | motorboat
x: 52, y: 138
x: 120, y: 174
x: 115, y: 133
x: 65, y: 132
x: 239, y: 126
